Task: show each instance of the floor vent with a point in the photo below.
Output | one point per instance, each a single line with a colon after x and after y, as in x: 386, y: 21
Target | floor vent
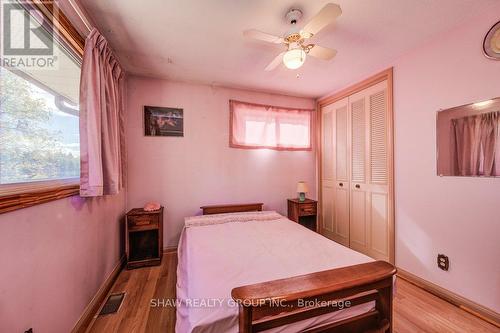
x: 112, y: 304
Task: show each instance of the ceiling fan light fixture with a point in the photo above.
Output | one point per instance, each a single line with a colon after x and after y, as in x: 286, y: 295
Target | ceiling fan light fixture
x: 294, y: 58
x: 295, y: 39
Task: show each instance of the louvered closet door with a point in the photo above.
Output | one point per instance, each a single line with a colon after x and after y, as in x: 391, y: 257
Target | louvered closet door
x: 335, y: 172
x: 358, y: 203
x: 369, y: 209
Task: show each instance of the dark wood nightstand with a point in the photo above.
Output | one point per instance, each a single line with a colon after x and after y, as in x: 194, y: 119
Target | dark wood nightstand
x: 303, y: 212
x: 144, y: 237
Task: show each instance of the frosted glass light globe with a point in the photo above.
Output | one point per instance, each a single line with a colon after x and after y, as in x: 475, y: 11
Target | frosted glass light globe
x: 294, y: 58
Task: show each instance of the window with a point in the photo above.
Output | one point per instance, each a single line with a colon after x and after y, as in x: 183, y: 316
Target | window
x: 272, y: 127
x: 39, y: 92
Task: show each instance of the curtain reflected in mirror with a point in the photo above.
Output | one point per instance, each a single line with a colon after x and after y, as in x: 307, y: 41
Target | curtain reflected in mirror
x: 468, y: 140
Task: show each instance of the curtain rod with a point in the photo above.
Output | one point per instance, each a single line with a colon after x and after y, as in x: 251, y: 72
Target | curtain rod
x: 81, y: 14
x: 488, y: 112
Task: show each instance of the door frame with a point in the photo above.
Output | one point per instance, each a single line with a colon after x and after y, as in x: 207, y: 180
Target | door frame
x: 346, y: 92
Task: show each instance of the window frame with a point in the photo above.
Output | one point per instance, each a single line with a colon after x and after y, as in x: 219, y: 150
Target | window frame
x: 277, y: 130
x: 22, y: 195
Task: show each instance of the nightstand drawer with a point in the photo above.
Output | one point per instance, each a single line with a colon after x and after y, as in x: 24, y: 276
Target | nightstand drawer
x: 303, y: 212
x: 307, y: 209
x: 142, y: 221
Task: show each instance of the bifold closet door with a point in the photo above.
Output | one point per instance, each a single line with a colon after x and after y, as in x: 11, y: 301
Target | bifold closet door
x: 369, y: 190
x: 335, y: 172
x: 358, y: 190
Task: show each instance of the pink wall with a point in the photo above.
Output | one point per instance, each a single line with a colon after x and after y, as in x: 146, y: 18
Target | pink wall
x: 53, y: 259
x: 459, y: 217
x: 200, y: 168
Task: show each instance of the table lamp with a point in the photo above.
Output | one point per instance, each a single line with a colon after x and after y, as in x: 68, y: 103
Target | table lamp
x: 302, y: 190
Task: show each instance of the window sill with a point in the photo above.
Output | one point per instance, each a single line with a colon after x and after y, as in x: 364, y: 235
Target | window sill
x: 241, y: 146
x: 18, y: 196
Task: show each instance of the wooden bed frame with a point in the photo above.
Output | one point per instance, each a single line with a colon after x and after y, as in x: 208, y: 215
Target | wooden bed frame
x: 270, y: 304
x: 235, y: 208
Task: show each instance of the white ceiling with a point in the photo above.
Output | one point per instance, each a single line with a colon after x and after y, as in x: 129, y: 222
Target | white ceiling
x: 201, y: 40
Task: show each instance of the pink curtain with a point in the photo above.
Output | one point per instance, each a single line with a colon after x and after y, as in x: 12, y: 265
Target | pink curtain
x: 272, y: 127
x: 490, y: 141
x: 476, y: 144
x: 101, y: 119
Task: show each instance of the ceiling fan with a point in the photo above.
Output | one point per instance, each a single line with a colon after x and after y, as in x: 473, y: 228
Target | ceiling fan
x: 295, y: 40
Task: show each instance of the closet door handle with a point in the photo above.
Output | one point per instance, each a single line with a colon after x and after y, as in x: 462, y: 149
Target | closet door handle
x: 341, y: 184
x: 357, y: 186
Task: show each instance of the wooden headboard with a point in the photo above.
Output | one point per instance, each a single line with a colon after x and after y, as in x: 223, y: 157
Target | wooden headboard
x: 235, y: 208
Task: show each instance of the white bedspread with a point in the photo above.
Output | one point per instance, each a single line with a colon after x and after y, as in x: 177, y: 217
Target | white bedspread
x: 215, y: 258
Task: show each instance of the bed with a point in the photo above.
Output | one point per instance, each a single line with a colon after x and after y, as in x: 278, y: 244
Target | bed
x: 246, y: 270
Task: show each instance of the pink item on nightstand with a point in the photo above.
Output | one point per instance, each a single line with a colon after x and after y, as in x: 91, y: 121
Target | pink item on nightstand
x: 151, y: 206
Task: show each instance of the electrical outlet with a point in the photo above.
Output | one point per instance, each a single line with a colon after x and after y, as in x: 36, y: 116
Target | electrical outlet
x: 443, y: 262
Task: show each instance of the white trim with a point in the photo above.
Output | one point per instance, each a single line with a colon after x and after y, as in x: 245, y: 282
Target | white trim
x: 81, y: 14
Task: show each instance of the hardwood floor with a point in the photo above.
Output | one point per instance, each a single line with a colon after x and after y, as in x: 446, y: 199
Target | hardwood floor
x: 141, y: 286
x: 415, y: 310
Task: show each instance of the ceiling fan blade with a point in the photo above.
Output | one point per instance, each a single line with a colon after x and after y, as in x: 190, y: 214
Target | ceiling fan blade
x: 322, y: 52
x: 276, y: 61
x: 326, y: 16
x: 256, y: 34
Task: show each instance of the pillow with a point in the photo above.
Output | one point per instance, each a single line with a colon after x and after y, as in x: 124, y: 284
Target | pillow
x: 194, y: 221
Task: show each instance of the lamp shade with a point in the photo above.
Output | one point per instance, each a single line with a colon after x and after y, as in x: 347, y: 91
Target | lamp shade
x: 302, y: 187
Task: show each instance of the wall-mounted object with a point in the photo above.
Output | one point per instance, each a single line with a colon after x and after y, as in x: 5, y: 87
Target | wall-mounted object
x: 468, y: 140
x: 162, y: 121
x: 491, y: 43
x: 443, y: 262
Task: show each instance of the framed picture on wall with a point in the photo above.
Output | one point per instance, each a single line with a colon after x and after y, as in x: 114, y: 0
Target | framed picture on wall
x: 161, y: 121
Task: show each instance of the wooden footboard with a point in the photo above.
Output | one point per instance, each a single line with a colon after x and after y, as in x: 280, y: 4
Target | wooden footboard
x: 276, y: 303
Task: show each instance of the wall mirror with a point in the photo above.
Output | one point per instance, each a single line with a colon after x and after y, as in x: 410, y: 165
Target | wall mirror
x: 468, y: 140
